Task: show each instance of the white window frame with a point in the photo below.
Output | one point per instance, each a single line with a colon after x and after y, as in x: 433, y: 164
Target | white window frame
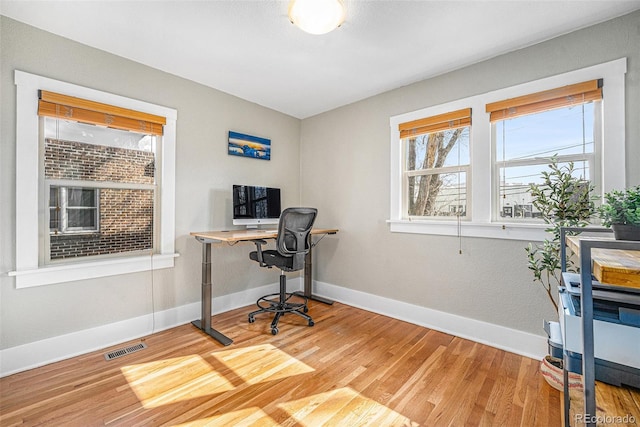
x: 592, y: 159
x: 482, y: 223
x: 63, y: 199
x: 465, y: 168
x: 29, y: 271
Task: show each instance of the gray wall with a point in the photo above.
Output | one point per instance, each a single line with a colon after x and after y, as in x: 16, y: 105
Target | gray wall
x: 345, y: 173
x: 343, y: 156
x: 204, y: 175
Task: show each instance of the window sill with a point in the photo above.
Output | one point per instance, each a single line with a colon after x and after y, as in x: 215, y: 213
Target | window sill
x: 508, y: 231
x: 90, y: 270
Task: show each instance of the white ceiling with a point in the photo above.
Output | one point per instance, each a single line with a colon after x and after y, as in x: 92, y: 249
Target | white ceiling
x: 251, y: 50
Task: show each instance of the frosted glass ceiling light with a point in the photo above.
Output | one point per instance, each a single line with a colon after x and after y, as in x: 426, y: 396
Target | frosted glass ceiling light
x: 316, y: 16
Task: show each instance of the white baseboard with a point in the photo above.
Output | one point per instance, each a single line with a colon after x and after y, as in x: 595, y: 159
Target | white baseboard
x: 39, y: 353
x: 511, y: 340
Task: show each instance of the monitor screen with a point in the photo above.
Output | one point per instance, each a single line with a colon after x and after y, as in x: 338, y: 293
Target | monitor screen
x: 253, y: 205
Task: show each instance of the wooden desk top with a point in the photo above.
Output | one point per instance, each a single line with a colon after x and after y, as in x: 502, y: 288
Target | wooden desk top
x: 231, y: 236
x: 612, y: 266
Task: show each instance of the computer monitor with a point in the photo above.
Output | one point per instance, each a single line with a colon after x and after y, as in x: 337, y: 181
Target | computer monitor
x: 255, y: 205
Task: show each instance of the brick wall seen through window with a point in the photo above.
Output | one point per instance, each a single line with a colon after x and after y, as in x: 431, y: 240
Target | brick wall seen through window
x: 126, y: 215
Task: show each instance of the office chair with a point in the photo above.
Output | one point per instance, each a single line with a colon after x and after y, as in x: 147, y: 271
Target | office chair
x: 292, y: 245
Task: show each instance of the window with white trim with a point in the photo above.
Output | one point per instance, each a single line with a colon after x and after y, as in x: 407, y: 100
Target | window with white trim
x: 507, y: 152
x: 72, y: 145
x: 529, y: 131
x: 436, y: 165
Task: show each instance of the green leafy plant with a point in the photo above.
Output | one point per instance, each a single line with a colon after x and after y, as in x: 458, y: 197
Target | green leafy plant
x: 621, y: 207
x: 563, y: 200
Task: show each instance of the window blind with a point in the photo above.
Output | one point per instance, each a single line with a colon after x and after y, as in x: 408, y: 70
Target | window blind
x: 66, y: 107
x: 566, y: 96
x: 451, y: 120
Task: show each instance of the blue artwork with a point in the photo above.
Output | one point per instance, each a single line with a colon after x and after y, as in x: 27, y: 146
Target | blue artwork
x: 249, y: 146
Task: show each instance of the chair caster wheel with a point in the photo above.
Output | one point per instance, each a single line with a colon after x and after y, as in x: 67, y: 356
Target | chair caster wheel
x: 274, y: 331
x: 311, y: 323
x: 305, y: 309
x: 251, y: 319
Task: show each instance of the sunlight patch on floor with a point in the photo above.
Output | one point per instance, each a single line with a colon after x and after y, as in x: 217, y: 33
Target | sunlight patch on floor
x: 173, y: 380
x: 179, y: 379
x: 260, y: 363
x: 242, y: 417
x: 342, y: 406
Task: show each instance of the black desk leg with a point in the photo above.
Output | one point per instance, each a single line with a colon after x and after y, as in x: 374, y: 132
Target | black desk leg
x: 308, y: 281
x: 205, y: 323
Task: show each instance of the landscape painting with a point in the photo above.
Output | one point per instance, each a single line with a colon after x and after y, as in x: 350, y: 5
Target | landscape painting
x: 249, y: 146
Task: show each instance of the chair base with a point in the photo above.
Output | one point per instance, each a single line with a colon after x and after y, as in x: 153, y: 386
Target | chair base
x: 280, y: 306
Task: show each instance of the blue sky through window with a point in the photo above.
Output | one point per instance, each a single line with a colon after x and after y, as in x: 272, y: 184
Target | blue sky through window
x: 561, y: 131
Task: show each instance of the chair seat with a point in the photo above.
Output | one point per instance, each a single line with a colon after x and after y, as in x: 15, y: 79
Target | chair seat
x: 273, y: 259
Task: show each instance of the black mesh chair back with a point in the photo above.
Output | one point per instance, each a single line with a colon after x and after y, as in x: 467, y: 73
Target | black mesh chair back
x: 294, y: 235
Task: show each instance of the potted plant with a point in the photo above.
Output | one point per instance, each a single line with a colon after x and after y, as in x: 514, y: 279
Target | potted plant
x: 621, y: 212
x: 563, y: 200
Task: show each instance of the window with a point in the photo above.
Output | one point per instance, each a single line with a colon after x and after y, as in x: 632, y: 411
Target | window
x: 72, y: 209
x: 436, y: 165
x: 529, y: 130
x: 102, y: 189
x: 95, y: 186
x: 514, y: 136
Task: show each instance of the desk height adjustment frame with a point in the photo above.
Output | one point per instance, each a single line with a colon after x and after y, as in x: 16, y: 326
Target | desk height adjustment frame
x: 204, y: 324
x: 308, y: 275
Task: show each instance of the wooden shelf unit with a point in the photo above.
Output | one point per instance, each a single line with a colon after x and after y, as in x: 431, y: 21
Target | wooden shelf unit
x: 611, y: 266
x: 611, y: 262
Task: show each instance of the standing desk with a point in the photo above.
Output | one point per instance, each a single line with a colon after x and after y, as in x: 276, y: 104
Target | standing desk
x: 232, y: 237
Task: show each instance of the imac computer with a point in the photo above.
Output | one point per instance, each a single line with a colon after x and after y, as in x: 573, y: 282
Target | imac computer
x: 254, y: 206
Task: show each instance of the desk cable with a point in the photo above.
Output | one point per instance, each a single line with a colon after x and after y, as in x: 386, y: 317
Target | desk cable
x: 318, y: 241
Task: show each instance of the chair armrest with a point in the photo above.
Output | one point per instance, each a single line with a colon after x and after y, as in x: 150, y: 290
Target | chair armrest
x: 259, y: 243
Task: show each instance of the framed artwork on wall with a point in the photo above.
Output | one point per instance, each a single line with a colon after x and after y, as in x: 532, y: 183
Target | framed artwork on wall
x: 249, y: 146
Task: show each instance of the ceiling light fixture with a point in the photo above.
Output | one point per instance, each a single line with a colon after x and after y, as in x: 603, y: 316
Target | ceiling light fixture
x: 317, y: 16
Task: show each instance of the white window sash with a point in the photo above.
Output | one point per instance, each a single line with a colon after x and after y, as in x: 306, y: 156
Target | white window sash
x: 545, y: 160
x: 435, y: 171
x: 540, y: 161
x: 100, y: 184
x: 462, y: 168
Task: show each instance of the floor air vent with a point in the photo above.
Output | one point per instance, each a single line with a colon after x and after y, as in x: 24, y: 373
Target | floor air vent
x: 124, y: 351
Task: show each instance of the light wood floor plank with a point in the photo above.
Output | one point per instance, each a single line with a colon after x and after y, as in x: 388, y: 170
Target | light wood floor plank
x: 353, y: 368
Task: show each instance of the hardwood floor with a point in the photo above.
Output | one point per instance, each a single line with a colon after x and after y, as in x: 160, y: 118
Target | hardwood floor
x: 352, y: 368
